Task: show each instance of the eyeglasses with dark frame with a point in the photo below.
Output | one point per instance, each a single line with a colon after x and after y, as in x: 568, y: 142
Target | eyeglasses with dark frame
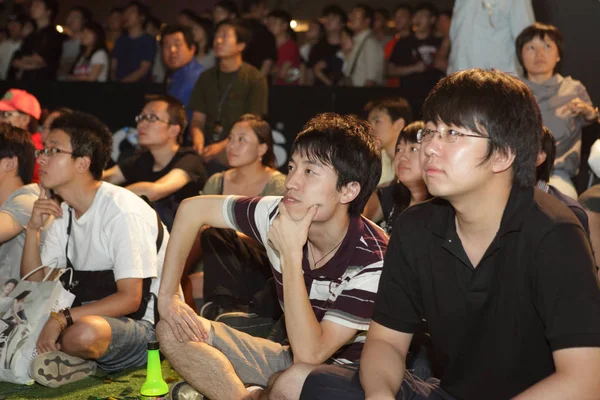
x: 50, y: 152
x: 150, y: 118
x: 450, y: 136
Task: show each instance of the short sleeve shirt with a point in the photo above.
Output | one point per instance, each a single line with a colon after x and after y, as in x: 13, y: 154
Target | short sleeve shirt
x: 18, y: 206
x: 130, y: 52
x: 139, y: 168
x: 248, y: 94
x: 493, y: 327
x: 343, y: 290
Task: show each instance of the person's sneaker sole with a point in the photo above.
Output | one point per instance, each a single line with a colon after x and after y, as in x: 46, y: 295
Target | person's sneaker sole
x: 183, y: 391
x: 56, y: 368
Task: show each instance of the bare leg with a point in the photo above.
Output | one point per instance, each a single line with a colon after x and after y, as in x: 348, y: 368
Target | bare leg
x: 88, y: 338
x: 288, y: 385
x: 205, y: 368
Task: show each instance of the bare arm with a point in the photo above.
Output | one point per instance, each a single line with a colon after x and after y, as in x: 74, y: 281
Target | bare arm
x: 113, y: 175
x: 318, y: 70
x: 9, y: 227
x: 165, y: 186
x: 383, y: 360
x: 197, y: 131
x: 90, y: 76
x: 571, y: 380
x: 139, y: 73
x: 266, y: 67
x: 373, y: 209
x: 441, y: 57
x: 392, y: 70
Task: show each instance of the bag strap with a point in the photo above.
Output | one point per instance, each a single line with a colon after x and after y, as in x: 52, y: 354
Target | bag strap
x: 159, y: 240
x: 358, y: 51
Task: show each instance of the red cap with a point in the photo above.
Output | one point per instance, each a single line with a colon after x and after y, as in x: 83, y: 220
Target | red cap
x: 20, y: 100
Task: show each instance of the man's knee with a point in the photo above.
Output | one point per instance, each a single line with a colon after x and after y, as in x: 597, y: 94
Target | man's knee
x: 288, y: 384
x: 89, y: 337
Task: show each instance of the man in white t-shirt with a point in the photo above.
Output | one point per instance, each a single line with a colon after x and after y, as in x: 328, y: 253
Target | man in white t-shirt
x: 17, y: 196
x: 115, y: 244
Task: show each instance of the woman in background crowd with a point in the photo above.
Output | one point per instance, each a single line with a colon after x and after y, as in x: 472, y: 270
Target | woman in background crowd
x: 92, y: 63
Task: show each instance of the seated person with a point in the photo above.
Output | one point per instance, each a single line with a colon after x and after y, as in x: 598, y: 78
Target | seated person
x: 237, y: 266
x: 17, y: 195
x: 543, y: 170
x: 325, y: 259
x: 502, y: 272
x: 565, y: 104
x: 165, y: 172
x: 114, y: 243
x: 408, y: 189
x: 388, y: 116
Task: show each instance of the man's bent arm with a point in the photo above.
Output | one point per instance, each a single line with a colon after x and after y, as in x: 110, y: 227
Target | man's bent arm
x: 313, y: 342
x: 192, y: 214
x: 576, y: 377
x: 113, y: 175
x: 31, y: 254
x: 9, y: 227
x: 383, y: 361
x: 139, y: 73
x: 197, y: 131
x: 125, y: 301
x: 165, y: 186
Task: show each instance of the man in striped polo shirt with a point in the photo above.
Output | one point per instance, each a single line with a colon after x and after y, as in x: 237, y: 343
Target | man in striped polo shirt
x: 326, y: 260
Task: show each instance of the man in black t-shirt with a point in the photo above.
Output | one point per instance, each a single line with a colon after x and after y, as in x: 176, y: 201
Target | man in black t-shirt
x: 416, y: 59
x: 323, y: 60
x: 39, y: 55
x: 165, y: 172
x: 261, y: 51
x: 502, y: 273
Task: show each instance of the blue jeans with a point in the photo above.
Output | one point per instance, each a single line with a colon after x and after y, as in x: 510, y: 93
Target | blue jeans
x: 128, y: 345
x: 336, y: 382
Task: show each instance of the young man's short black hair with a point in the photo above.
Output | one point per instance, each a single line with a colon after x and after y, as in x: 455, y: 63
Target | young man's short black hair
x: 334, y: 9
x: 367, y: 11
x: 53, y: 6
x: 396, y: 107
x: 540, y: 31
x: 403, y: 6
x: 175, y: 110
x: 242, y: 33
x: 16, y: 142
x: 384, y: 12
x: 494, y: 104
x: 89, y: 138
x: 228, y: 5
x: 142, y: 9
x: 186, y: 31
x: 548, y: 147
x: 247, y: 5
x: 280, y: 14
x: 85, y: 12
x: 345, y: 144
x: 433, y: 11
x: 188, y: 13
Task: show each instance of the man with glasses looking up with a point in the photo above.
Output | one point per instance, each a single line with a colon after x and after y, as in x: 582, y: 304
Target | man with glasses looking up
x: 502, y: 272
x: 165, y: 171
x: 113, y: 244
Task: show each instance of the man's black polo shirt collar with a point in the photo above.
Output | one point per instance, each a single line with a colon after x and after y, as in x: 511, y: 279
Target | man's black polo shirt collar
x: 442, y: 222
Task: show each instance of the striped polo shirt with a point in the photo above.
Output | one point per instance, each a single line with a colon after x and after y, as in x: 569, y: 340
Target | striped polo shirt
x: 342, y: 291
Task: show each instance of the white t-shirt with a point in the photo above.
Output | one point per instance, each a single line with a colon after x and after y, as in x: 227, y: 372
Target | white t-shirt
x: 18, y: 205
x: 117, y: 232
x: 84, y: 67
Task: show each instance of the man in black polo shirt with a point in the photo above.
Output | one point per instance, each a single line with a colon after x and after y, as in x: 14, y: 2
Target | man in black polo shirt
x: 503, y: 273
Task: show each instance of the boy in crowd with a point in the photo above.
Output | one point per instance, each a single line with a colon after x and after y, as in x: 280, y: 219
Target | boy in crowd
x: 388, y: 116
x: 323, y: 59
x: 365, y: 65
x: 224, y: 93
x: 502, y: 273
x: 114, y: 245
x: 402, y: 26
x: 39, y: 55
x: 17, y: 196
x: 325, y: 259
x: 418, y: 58
x: 134, y: 50
x: 164, y: 171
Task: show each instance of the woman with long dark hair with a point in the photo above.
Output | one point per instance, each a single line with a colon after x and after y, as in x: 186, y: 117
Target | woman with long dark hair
x: 92, y: 63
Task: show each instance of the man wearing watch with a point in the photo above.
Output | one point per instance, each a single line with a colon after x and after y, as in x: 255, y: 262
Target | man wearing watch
x: 224, y: 93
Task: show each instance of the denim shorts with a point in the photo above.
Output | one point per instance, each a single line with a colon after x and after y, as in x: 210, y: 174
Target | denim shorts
x: 128, y: 345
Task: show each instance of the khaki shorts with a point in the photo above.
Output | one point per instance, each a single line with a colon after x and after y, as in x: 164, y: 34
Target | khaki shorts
x: 254, y: 359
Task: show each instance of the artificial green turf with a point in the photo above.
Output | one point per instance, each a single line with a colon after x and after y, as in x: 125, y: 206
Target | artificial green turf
x: 121, y: 386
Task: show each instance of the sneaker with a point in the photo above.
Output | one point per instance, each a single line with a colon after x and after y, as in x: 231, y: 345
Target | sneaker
x: 183, y: 391
x: 250, y: 323
x: 57, y: 368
